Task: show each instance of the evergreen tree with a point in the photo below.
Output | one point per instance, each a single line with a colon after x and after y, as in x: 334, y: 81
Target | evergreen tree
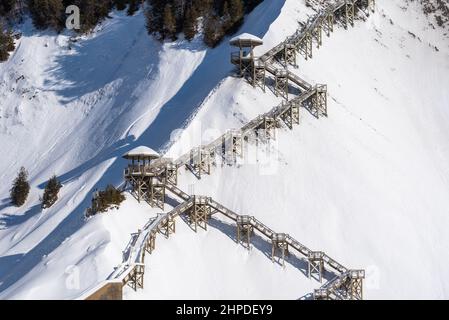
x: 6, y: 44
x: 47, y: 13
x: 133, y: 7
x: 189, y: 27
x: 51, y: 192
x: 155, y: 17
x: 104, y: 200
x: 227, y: 20
x: 6, y: 6
x: 20, y: 189
x: 236, y: 11
x: 120, y: 4
x: 169, y: 30
x: 213, y: 31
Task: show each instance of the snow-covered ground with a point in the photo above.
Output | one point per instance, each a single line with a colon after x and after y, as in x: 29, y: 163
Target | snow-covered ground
x: 368, y: 185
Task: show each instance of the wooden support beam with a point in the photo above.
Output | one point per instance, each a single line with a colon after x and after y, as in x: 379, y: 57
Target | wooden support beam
x: 198, y: 215
x: 151, y: 244
x: 281, y: 84
x: 171, y: 173
x: 318, y: 35
x: 329, y: 23
x: 355, y: 284
x: 156, y: 195
x: 316, y: 264
x: 244, y: 230
x: 317, y: 103
x: 167, y: 226
x: 259, y: 75
x: 289, y: 54
x: 135, y: 278
x: 279, y: 243
x: 349, y: 13
x: 291, y: 115
x: 305, y: 45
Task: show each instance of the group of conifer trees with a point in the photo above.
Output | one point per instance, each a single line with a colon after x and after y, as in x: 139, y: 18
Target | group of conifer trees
x: 6, y: 43
x: 6, y: 37
x: 103, y: 200
x: 166, y: 19
x: 214, y: 18
x: 21, y: 188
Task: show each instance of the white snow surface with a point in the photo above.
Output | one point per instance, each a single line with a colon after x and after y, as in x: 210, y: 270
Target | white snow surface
x: 368, y: 184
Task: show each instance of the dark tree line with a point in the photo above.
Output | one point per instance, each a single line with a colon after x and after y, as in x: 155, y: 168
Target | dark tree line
x: 51, y: 13
x: 168, y: 18
x: 6, y: 43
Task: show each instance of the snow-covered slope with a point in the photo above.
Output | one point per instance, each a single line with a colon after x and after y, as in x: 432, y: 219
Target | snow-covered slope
x: 71, y: 112
x: 368, y: 184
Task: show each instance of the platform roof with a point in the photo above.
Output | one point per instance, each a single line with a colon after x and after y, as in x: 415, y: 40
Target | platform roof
x: 246, y: 40
x: 141, y: 152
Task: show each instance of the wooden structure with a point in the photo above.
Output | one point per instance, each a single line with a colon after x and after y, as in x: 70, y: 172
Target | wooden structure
x: 245, y: 57
x: 148, y: 170
x: 346, y: 284
x: 244, y: 230
x: 279, y: 243
x: 147, y: 174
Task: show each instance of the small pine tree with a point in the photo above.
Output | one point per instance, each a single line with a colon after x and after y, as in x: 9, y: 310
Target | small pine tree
x: 103, y: 200
x: 227, y: 20
x: 236, y: 10
x: 213, y: 31
x: 189, y: 27
x: 169, y: 29
x: 6, y: 44
x: 51, y: 192
x: 133, y: 7
x: 20, y: 188
x: 47, y: 13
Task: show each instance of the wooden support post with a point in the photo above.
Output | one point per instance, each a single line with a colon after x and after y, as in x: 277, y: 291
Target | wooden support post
x: 268, y: 126
x: 200, y: 161
x: 279, y: 242
x: 199, y: 213
x: 329, y: 23
x: 355, y: 284
x: 259, y: 74
x: 289, y: 54
x: 317, y: 103
x: 321, y: 294
x: 295, y: 112
x: 291, y: 115
x: 244, y: 229
x: 156, y: 194
x: 171, y: 173
x: 318, y: 35
x: 167, y: 226
x: 281, y: 84
x: 237, y: 143
x: 319, y: 100
x: 309, y: 40
x: 135, y: 278
x: 369, y: 6
x: 305, y: 45
x: 316, y: 264
x: 349, y: 13
x: 151, y: 244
